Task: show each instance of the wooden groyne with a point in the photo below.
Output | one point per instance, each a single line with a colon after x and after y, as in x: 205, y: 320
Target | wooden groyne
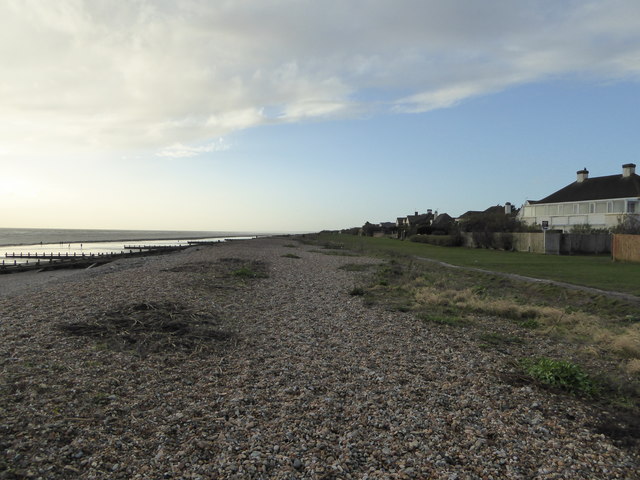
x: 50, y: 261
x: 59, y: 256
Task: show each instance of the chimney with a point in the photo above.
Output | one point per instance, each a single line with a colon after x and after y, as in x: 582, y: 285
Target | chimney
x: 582, y: 175
x: 416, y: 214
x: 507, y: 208
x: 628, y: 169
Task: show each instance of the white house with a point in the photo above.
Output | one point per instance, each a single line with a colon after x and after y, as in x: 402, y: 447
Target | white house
x: 600, y: 202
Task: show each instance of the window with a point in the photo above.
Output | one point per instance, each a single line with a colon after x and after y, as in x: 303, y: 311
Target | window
x: 592, y: 208
x: 632, y: 207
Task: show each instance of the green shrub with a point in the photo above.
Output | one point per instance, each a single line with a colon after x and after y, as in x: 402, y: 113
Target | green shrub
x: 559, y: 374
x: 440, y: 240
x: 505, y: 241
x: 248, y: 272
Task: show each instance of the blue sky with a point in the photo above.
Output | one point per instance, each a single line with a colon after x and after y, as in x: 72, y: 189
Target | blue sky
x: 295, y: 115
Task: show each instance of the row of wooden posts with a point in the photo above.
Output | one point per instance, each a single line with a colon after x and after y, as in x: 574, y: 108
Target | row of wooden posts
x: 82, y: 256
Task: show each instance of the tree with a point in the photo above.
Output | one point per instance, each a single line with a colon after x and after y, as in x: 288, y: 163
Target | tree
x: 627, y: 224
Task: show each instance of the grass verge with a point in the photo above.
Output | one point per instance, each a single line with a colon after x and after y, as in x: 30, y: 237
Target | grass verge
x: 597, y: 271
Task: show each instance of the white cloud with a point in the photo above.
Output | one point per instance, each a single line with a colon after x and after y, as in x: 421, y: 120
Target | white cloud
x: 179, y: 150
x: 80, y: 75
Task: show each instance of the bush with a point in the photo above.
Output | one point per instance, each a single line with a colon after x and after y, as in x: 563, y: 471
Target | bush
x: 560, y: 374
x: 627, y: 224
x: 440, y: 240
x: 505, y: 241
x: 483, y: 239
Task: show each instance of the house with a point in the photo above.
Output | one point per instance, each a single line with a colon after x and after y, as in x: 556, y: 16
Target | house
x: 442, y: 223
x: 601, y: 202
x: 412, y: 224
x: 497, y: 218
x: 388, y: 228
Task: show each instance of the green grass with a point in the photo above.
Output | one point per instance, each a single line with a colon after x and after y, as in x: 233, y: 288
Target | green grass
x: 597, y: 271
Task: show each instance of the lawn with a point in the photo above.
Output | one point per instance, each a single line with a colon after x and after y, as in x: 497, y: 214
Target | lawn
x: 597, y: 271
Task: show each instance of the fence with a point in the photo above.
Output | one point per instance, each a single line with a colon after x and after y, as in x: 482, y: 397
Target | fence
x: 551, y: 242
x: 626, y: 248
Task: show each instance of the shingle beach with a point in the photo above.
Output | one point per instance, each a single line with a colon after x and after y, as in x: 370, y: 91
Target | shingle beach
x: 283, y: 376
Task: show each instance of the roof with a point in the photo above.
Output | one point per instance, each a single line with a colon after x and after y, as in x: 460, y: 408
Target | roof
x: 469, y: 214
x: 418, y: 219
x: 388, y: 224
x: 596, y: 188
x: 496, y: 209
x: 443, y: 219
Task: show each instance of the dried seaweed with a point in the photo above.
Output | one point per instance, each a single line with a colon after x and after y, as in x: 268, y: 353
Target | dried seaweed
x: 147, y: 328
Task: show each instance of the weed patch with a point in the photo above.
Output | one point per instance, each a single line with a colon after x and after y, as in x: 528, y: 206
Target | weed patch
x: 357, y: 291
x: 560, y: 374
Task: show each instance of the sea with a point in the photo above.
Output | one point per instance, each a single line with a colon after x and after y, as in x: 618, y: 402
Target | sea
x: 87, y: 242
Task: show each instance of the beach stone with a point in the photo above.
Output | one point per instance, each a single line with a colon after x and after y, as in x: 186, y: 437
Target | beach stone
x: 311, y: 383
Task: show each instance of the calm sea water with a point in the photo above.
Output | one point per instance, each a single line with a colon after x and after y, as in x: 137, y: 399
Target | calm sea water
x: 33, y: 236
x: 94, y: 242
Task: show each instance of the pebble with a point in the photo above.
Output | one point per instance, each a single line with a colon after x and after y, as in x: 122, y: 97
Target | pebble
x: 313, y: 384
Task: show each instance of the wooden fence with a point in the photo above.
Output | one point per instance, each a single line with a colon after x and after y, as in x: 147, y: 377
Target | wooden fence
x: 626, y: 248
x: 550, y: 242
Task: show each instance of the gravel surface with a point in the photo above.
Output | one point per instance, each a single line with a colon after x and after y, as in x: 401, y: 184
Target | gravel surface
x: 185, y: 366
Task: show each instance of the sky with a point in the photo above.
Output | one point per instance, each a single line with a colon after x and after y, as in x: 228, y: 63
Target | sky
x: 299, y: 115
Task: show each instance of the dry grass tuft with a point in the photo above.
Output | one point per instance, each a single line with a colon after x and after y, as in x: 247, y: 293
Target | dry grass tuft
x: 633, y: 366
x: 621, y: 340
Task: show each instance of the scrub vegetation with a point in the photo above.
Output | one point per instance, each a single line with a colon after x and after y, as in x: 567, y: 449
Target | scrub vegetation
x: 514, y: 316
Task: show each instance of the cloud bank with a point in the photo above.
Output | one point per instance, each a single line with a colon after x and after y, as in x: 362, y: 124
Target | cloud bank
x: 173, y: 76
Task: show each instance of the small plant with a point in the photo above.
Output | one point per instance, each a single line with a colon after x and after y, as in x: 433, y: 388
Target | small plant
x: 560, y: 374
x: 357, y: 291
x: 530, y: 324
x: 248, y: 272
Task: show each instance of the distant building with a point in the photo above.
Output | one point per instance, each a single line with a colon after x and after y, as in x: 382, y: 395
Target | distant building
x: 600, y: 202
x: 412, y: 224
x: 442, y: 223
x: 495, y: 210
